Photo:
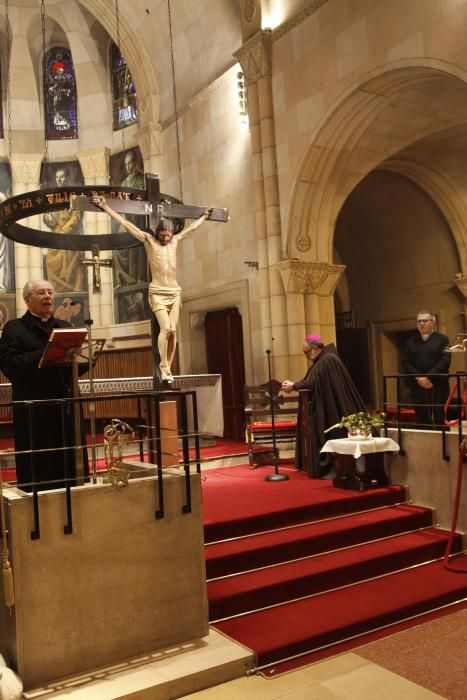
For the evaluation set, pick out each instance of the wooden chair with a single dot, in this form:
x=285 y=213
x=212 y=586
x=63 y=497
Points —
x=258 y=421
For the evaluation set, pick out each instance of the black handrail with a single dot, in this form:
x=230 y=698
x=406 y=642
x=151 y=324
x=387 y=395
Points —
x=151 y=400
x=459 y=377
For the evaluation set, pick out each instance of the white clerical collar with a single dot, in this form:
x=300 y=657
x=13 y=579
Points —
x=43 y=320
x=425 y=336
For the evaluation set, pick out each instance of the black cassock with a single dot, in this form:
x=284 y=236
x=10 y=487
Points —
x=39 y=426
x=331 y=395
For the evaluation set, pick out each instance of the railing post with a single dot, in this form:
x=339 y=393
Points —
x=157 y=424
x=385 y=405
x=399 y=429
x=36 y=532
x=194 y=405
x=68 y=527
x=186 y=452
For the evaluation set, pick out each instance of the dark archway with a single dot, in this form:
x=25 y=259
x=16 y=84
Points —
x=400 y=257
x=224 y=352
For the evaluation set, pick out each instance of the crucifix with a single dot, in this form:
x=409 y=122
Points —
x=164 y=219
x=154 y=207
x=96 y=263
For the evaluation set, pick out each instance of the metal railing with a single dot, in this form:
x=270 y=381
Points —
x=402 y=413
x=149 y=439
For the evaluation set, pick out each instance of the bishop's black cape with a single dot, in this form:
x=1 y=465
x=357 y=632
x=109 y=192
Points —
x=39 y=426
x=331 y=395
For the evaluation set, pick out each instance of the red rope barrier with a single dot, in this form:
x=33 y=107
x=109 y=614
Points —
x=451 y=423
x=455 y=512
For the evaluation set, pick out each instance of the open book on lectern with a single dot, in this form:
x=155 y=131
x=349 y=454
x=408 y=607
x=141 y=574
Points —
x=63 y=345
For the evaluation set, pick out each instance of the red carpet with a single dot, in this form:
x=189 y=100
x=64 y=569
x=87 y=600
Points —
x=294 y=628
x=265 y=549
x=305 y=565
x=220 y=448
x=348 y=645
x=237 y=501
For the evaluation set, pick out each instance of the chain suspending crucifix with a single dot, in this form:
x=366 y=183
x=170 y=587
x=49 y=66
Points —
x=160 y=237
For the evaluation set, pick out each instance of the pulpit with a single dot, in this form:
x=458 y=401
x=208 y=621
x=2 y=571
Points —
x=107 y=571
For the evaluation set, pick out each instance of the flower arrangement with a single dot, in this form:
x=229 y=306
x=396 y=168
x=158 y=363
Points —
x=363 y=422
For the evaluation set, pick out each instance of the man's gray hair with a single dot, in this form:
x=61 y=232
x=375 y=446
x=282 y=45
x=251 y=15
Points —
x=27 y=289
x=426 y=313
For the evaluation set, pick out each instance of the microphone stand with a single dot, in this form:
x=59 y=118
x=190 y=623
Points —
x=92 y=406
x=276 y=476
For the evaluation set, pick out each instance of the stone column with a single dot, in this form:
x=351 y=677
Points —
x=255 y=58
x=25 y=175
x=95 y=166
x=309 y=288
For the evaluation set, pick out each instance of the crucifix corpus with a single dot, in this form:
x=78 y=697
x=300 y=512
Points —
x=96 y=263
x=160 y=238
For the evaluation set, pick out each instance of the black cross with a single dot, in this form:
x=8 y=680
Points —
x=153 y=207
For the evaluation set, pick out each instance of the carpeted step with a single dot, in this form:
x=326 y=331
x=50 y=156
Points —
x=285 y=582
x=254 y=505
x=299 y=627
x=225 y=558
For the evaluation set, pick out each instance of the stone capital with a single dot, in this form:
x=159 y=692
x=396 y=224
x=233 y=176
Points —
x=461 y=284
x=26 y=168
x=255 y=56
x=94 y=162
x=149 y=140
x=309 y=277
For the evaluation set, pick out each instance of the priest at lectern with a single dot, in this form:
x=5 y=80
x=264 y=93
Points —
x=44 y=427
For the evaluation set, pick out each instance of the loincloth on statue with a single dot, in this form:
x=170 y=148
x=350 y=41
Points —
x=164 y=298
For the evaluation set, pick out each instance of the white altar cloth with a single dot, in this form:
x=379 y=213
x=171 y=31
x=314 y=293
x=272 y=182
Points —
x=208 y=388
x=346 y=446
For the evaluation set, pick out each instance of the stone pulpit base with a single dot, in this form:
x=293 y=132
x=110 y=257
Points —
x=123 y=583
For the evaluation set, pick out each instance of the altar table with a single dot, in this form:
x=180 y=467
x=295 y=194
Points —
x=360 y=463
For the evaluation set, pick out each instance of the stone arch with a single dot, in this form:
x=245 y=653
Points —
x=372 y=125
x=86 y=32
x=137 y=58
x=86 y=62
x=444 y=193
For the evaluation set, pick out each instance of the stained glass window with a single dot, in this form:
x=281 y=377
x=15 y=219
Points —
x=61 y=121
x=123 y=91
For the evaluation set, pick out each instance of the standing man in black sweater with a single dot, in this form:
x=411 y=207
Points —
x=426 y=355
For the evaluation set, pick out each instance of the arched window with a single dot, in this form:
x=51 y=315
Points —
x=123 y=91
x=61 y=121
